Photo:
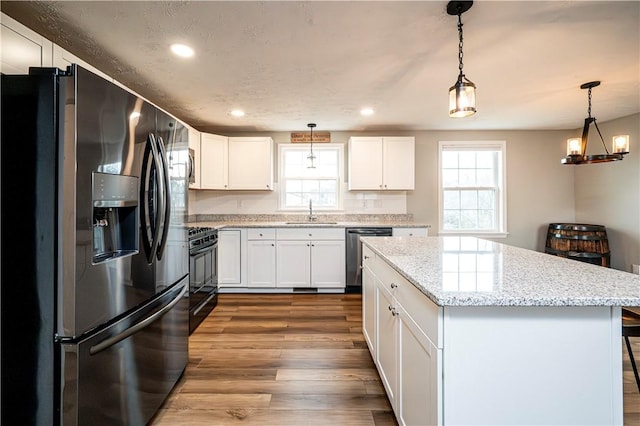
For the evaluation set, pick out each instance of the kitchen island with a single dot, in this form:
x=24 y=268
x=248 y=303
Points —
x=468 y=331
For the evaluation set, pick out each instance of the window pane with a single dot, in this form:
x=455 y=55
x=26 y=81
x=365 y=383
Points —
x=485 y=159
x=469 y=219
x=467 y=159
x=486 y=219
x=451 y=219
x=485 y=177
x=300 y=183
x=469 y=199
x=451 y=200
x=467 y=177
x=449 y=160
x=450 y=177
x=485 y=199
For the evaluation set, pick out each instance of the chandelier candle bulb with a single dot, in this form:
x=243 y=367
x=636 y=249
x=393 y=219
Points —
x=621 y=144
x=574 y=146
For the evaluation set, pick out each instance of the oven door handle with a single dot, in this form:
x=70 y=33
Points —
x=203 y=249
x=106 y=343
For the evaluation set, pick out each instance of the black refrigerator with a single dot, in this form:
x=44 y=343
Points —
x=94 y=288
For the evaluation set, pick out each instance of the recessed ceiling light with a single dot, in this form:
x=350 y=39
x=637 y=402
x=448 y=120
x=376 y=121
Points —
x=366 y=111
x=237 y=113
x=182 y=50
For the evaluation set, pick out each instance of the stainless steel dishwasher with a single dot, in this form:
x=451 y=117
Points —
x=354 y=254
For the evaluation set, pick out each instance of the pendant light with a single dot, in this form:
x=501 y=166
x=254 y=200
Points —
x=311 y=157
x=462 y=95
x=577 y=147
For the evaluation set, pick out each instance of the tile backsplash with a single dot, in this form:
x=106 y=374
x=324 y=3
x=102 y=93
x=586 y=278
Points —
x=203 y=202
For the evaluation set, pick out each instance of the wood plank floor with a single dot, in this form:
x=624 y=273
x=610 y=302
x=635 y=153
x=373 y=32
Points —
x=294 y=360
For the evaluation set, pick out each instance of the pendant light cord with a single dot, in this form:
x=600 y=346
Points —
x=460 y=54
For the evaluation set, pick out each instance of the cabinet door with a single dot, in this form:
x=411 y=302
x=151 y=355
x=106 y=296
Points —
x=22 y=48
x=293 y=266
x=387 y=343
x=418 y=387
x=369 y=305
x=365 y=163
x=261 y=263
x=229 y=243
x=328 y=264
x=194 y=146
x=251 y=163
x=398 y=155
x=213 y=161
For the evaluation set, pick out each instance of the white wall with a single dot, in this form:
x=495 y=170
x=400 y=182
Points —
x=609 y=193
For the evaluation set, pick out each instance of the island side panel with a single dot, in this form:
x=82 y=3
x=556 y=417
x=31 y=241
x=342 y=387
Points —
x=532 y=365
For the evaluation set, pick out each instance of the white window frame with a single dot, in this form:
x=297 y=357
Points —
x=282 y=148
x=501 y=186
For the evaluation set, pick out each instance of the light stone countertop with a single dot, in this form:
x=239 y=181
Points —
x=303 y=224
x=467 y=271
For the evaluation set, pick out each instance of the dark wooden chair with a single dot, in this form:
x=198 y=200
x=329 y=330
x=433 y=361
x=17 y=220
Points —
x=631 y=328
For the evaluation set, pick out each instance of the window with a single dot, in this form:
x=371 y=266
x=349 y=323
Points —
x=472 y=188
x=299 y=184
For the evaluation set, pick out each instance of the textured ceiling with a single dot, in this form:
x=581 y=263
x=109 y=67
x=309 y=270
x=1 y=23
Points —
x=290 y=63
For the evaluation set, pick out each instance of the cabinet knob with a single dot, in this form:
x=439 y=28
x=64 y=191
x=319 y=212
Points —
x=366 y=257
x=225 y=186
x=310 y=235
x=272 y=245
x=267 y=186
x=410 y=234
x=261 y=235
x=385 y=186
x=313 y=245
x=308 y=245
x=380 y=185
x=393 y=285
x=393 y=311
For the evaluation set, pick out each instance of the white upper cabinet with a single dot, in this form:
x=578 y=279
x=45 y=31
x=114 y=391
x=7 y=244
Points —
x=21 y=48
x=382 y=163
x=251 y=163
x=214 y=151
x=237 y=163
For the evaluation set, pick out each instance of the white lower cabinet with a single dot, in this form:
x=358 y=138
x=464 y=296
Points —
x=229 y=257
x=310 y=257
x=408 y=361
x=369 y=308
x=387 y=349
x=294 y=264
x=419 y=362
x=261 y=258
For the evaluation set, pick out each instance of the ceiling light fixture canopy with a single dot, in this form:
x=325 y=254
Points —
x=311 y=157
x=577 y=147
x=462 y=95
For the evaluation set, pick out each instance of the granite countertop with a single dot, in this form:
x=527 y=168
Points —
x=304 y=224
x=467 y=271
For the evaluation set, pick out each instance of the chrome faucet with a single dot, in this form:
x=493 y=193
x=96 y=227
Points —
x=311 y=216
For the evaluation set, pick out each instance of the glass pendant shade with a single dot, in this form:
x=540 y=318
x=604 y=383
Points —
x=574 y=146
x=621 y=144
x=462 y=99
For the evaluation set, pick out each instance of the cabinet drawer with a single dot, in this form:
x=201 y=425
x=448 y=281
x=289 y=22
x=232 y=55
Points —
x=423 y=311
x=261 y=234
x=311 y=233
x=410 y=232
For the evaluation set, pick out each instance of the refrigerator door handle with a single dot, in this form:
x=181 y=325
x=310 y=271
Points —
x=150 y=230
x=162 y=154
x=106 y=343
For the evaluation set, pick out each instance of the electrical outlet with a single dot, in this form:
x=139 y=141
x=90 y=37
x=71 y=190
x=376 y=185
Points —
x=635 y=269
